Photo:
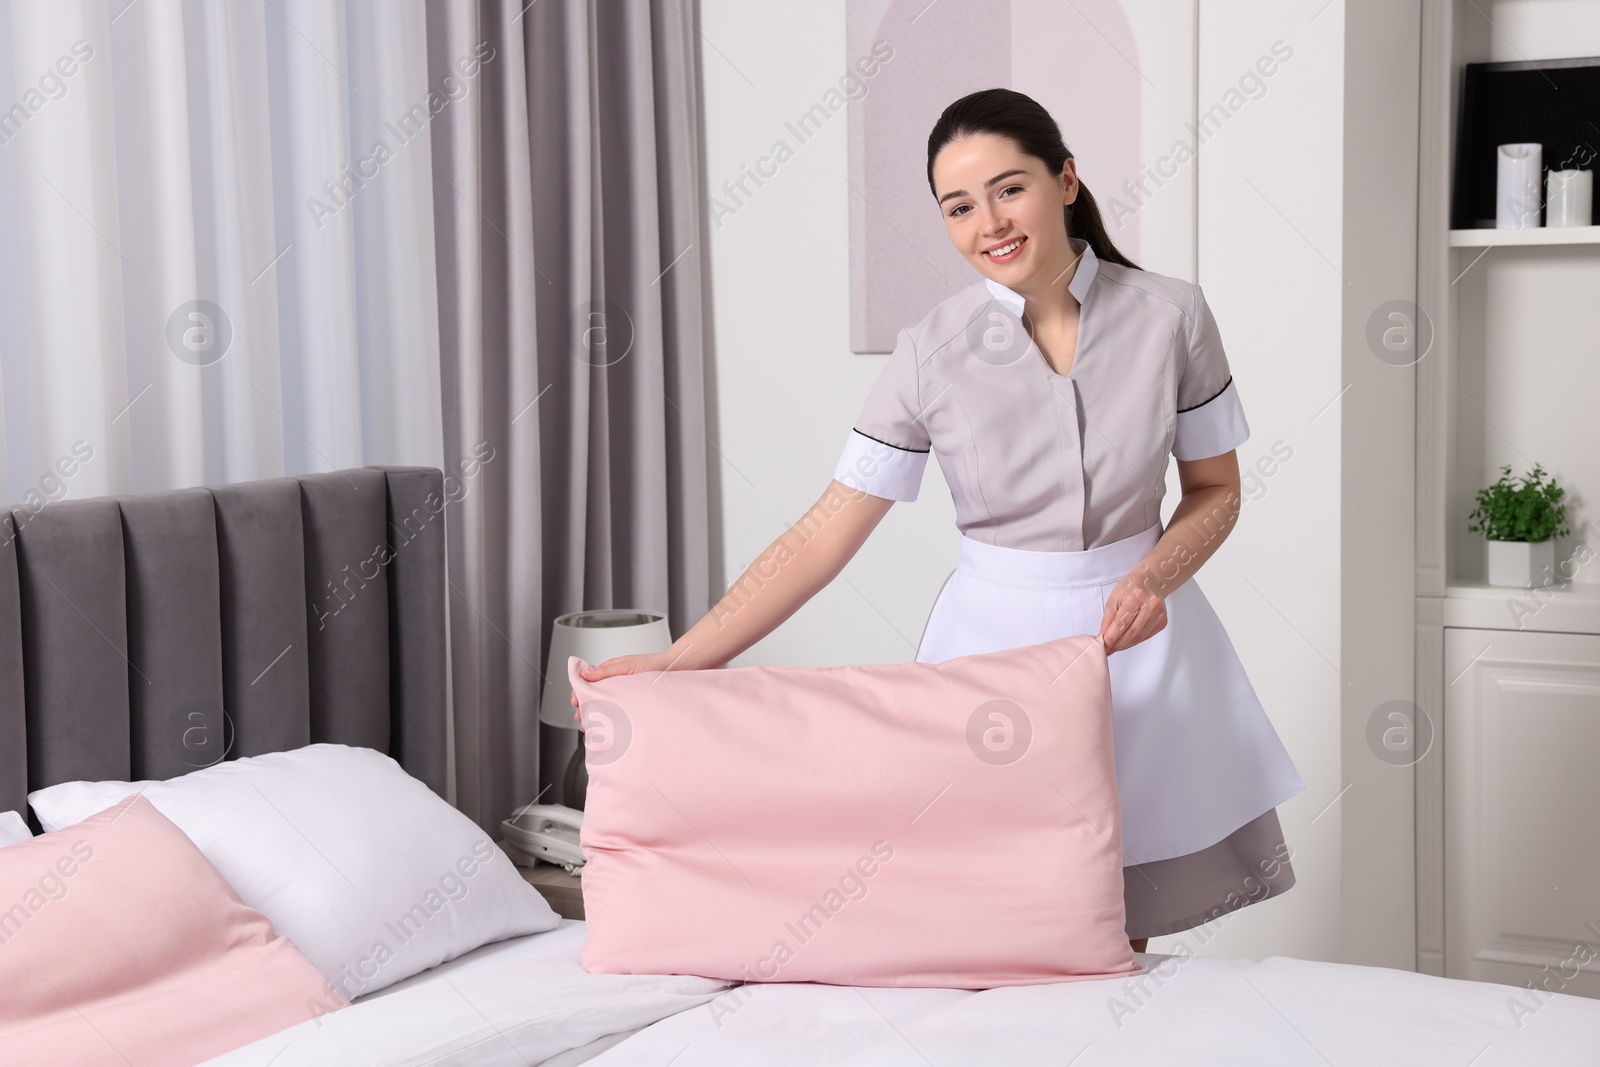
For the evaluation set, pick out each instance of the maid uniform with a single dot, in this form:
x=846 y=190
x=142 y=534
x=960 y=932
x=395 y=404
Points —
x=1058 y=480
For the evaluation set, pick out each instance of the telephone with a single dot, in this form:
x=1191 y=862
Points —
x=548 y=833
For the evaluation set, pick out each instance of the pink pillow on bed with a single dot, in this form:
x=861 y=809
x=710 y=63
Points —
x=915 y=824
x=121 y=943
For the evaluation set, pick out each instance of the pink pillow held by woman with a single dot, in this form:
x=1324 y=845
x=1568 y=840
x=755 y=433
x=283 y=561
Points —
x=952 y=824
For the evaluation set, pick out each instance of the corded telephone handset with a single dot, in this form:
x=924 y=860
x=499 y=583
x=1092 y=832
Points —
x=547 y=832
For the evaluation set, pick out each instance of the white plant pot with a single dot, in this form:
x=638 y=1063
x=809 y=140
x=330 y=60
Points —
x=1521 y=563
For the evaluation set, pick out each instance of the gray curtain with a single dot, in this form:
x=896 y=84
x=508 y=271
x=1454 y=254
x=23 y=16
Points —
x=568 y=234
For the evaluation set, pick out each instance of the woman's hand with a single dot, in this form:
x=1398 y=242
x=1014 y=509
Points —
x=1133 y=613
x=650 y=661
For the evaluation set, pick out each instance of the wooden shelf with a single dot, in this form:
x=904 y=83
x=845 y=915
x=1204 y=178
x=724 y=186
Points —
x=1567 y=608
x=1536 y=235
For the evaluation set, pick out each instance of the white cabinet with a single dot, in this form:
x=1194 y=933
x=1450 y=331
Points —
x=1522 y=810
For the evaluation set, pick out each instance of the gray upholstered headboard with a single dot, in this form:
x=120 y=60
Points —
x=140 y=635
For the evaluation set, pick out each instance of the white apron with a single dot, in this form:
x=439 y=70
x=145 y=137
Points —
x=1196 y=755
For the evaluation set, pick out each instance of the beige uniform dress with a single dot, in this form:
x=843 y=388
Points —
x=1058 y=481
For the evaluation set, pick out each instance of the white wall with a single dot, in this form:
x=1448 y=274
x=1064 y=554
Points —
x=786 y=386
x=1273 y=238
x=1270 y=219
x=1383 y=43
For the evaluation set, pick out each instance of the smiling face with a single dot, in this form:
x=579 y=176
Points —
x=996 y=198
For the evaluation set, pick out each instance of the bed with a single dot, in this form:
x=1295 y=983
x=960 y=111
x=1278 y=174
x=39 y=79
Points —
x=128 y=624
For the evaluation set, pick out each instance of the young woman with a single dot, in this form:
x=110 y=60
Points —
x=1052 y=391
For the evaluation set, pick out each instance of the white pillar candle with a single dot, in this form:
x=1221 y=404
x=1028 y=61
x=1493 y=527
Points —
x=1517 y=186
x=1570 y=199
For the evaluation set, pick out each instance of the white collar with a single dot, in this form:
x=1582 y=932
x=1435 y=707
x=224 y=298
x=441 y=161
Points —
x=1082 y=278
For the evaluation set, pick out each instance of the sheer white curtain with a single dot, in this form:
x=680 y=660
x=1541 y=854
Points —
x=216 y=242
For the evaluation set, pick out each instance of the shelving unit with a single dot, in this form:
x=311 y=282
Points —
x=1537 y=235
x=1509 y=678
x=1564 y=608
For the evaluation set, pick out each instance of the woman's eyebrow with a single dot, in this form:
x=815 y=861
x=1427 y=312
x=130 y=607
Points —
x=987 y=185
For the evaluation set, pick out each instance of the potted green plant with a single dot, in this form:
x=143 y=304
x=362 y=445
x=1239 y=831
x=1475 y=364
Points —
x=1521 y=523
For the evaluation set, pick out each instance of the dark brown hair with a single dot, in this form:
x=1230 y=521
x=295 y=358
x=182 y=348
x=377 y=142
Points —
x=1019 y=117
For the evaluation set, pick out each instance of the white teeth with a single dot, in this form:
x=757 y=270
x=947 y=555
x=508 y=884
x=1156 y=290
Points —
x=1004 y=249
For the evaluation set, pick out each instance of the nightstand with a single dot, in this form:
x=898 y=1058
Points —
x=564 y=891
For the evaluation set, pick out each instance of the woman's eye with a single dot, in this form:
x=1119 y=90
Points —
x=956 y=212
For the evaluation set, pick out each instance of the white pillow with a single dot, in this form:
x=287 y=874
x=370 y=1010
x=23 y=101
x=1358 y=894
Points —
x=364 y=868
x=13 y=828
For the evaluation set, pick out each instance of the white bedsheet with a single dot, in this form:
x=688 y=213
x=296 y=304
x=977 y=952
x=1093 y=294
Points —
x=1192 y=1011
x=517 y=1002
x=528 y=1000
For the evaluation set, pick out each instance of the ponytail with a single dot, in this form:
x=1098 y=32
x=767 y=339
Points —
x=1083 y=220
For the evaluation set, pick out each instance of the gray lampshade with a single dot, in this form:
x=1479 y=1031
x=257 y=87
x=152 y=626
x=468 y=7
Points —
x=596 y=636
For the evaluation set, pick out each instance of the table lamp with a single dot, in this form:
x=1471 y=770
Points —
x=594 y=636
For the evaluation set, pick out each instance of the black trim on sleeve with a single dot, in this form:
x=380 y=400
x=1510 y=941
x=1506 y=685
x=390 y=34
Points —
x=902 y=448
x=1191 y=407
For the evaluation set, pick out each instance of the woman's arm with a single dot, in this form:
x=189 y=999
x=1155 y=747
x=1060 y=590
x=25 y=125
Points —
x=788 y=573
x=1204 y=516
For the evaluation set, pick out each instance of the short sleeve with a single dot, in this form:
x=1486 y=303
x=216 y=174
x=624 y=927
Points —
x=887 y=449
x=1210 y=418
